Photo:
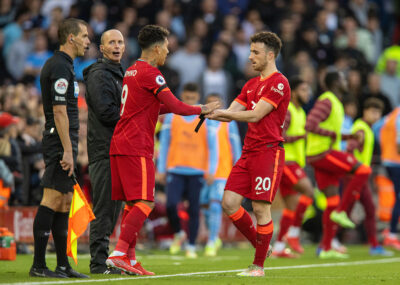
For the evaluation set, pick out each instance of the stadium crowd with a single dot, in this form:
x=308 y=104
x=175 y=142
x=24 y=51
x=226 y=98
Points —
x=208 y=45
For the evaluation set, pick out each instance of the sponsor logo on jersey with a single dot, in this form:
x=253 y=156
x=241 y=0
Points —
x=278 y=90
x=61 y=86
x=130 y=73
x=160 y=80
x=249 y=91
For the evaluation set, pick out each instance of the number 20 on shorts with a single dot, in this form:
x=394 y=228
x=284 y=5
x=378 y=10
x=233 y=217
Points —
x=263 y=183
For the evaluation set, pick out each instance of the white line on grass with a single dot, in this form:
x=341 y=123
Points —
x=371 y=261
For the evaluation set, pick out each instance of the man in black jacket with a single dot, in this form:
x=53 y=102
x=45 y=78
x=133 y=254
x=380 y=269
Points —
x=103 y=95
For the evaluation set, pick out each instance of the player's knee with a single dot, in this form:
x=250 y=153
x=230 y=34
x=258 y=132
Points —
x=261 y=210
x=53 y=202
x=229 y=207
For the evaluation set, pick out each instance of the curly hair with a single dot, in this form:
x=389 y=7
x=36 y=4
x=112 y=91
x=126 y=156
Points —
x=270 y=39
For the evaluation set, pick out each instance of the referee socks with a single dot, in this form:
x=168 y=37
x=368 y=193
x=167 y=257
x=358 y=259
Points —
x=41 y=232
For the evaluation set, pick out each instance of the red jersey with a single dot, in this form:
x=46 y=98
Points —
x=134 y=132
x=275 y=90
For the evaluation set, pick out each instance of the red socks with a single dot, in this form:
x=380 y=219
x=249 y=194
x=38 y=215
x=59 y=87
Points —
x=243 y=222
x=328 y=226
x=286 y=221
x=353 y=189
x=131 y=225
x=302 y=206
x=264 y=235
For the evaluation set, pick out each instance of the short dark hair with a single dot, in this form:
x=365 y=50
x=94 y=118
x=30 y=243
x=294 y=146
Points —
x=295 y=81
x=151 y=34
x=331 y=78
x=191 y=87
x=69 y=26
x=270 y=39
x=373 y=103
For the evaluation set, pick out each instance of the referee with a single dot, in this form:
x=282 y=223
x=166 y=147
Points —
x=103 y=96
x=60 y=147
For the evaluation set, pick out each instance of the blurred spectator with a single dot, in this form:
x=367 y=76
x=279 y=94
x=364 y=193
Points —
x=356 y=37
x=55 y=17
x=229 y=7
x=98 y=19
x=241 y=49
x=289 y=43
x=7 y=12
x=252 y=23
x=189 y=54
x=10 y=152
x=13 y=31
x=354 y=83
x=211 y=15
x=216 y=80
x=325 y=35
x=199 y=29
x=360 y=9
x=171 y=19
x=29 y=141
x=80 y=63
x=377 y=36
x=318 y=47
x=171 y=76
x=36 y=59
x=390 y=82
x=390 y=53
x=4 y=73
x=49 y=5
x=373 y=90
x=332 y=19
x=19 y=52
x=34 y=12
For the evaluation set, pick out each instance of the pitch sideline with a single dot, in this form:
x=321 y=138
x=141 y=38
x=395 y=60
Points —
x=75 y=281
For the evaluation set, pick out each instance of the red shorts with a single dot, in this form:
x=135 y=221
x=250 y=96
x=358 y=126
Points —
x=332 y=167
x=292 y=174
x=132 y=178
x=257 y=176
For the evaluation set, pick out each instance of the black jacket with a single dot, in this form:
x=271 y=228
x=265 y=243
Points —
x=103 y=96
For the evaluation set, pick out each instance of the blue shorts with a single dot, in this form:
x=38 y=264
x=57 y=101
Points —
x=213 y=192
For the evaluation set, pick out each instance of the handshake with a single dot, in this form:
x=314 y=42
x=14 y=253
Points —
x=212 y=111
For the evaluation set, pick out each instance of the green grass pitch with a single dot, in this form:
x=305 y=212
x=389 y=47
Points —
x=360 y=268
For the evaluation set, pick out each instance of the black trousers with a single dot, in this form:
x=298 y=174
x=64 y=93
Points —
x=106 y=212
x=178 y=188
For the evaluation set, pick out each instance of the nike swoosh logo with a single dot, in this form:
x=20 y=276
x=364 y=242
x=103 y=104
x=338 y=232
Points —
x=248 y=91
x=258 y=193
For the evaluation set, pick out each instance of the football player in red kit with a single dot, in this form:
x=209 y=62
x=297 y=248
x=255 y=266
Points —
x=262 y=103
x=145 y=95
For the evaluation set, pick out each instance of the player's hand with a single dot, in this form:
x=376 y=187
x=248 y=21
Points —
x=216 y=114
x=208 y=108
x=161 y=178
x=67 y=162
x=209 y=179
